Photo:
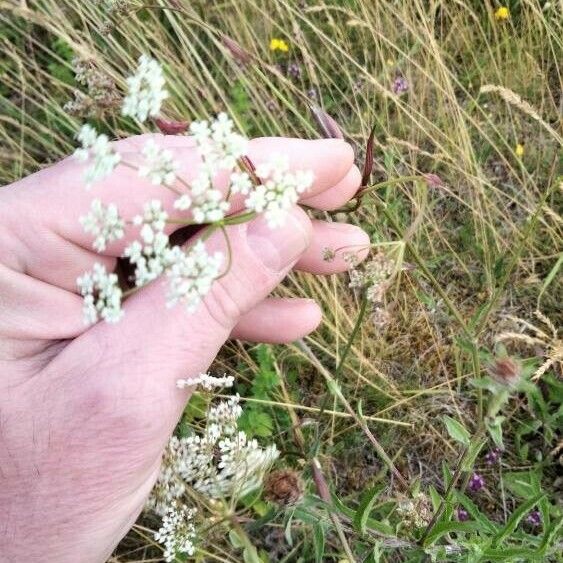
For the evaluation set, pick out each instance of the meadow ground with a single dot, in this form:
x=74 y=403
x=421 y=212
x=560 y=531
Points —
x=465 y=103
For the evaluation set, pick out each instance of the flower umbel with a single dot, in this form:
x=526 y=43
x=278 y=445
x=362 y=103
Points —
x=177 y=532
x=97 y=149
x=279 y=191
x=219 y=462
x=191 y=273
x=102 y=295
x=159 y=166
x=104 y=222
x=146 y=90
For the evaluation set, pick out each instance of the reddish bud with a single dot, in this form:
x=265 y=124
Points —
x=329 y=128
x=505 y=371
x=368 y=164
x=170 y=127
x=238 y=53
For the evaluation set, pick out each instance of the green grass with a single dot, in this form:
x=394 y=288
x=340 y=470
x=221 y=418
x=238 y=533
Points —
x=482 y=251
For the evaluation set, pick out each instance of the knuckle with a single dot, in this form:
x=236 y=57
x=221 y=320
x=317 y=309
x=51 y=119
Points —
x=222 y=305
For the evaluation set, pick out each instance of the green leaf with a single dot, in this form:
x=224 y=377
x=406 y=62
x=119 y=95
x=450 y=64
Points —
x=364 y=510
x=256 y=422
x=475 y=513
x=456 y=430
x=550 y=535
x=515 y=518
x=319 y=542
x=250 y=555
x=443 y=528
x=495 y=430
x=472 y=454
x=523 y=484
x=512 y=554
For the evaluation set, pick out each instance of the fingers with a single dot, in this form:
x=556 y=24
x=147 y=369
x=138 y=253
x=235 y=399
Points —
x=339 y=194
x=36 y=312
x=329 y=160
x=277 y=321
x=160 y=345
x=329 y=244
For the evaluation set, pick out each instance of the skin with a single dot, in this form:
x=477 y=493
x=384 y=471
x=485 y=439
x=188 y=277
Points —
x=85 y=412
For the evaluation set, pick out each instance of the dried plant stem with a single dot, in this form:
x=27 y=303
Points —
x=318 y=477
x=333 y=386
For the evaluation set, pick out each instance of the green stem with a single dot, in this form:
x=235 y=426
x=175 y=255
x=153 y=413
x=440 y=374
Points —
x=353 y=334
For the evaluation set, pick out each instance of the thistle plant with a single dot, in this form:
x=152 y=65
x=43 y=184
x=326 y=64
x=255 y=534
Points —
x=269 y=189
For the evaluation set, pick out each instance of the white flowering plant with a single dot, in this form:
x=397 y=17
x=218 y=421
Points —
x=270 y=189
x=220 y=463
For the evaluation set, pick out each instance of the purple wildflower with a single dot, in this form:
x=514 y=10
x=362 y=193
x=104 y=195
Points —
x=294 y=70
x=493 y=456
x=400 y=85
x=534 y=518
x=462 y=514
x=476 y=483
x=312 y=93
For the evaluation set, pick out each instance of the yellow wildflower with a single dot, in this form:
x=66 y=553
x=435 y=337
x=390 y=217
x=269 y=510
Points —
x=279 y=45
x=519 y=150
x=503 y=13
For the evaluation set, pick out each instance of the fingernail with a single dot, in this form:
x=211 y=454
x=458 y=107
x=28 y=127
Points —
x=280 y=247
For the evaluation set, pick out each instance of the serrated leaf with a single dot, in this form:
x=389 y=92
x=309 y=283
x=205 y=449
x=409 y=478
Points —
x=514 y=520
x=366 y=504
x=475 y=513
x=443 y=528
x=456 y=430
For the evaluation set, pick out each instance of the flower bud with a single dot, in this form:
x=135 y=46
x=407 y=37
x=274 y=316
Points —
x=284 y=487
x=505 y=371
x=171 y=127
x=329 y=128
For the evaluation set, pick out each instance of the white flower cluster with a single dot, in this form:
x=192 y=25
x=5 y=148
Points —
x=279 y=191
x=159 y=166
x=96 y=148
x=177 y=532
x=218 y=144
x=272 y=190
x=207 y=381
x=192 y=273
x=146 y=90
x=104 y=222
x=220 y=462
x=153 y=254
x=102 y=295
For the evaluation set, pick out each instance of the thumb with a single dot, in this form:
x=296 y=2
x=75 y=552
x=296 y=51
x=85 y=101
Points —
x=159 y=345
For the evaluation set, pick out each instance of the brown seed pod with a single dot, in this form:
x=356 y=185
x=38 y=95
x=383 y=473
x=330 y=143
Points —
x=283 y=487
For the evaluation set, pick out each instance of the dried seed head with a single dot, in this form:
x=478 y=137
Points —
x=505 y=371
x=433 y=180
x=415 y=512
x=328 y=254
x=238 y=53
x=329 y=128
x=284 y=487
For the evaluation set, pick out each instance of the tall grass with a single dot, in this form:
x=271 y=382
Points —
x=482 y=245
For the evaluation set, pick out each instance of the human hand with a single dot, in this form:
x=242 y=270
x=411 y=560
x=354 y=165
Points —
x=85 y=412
